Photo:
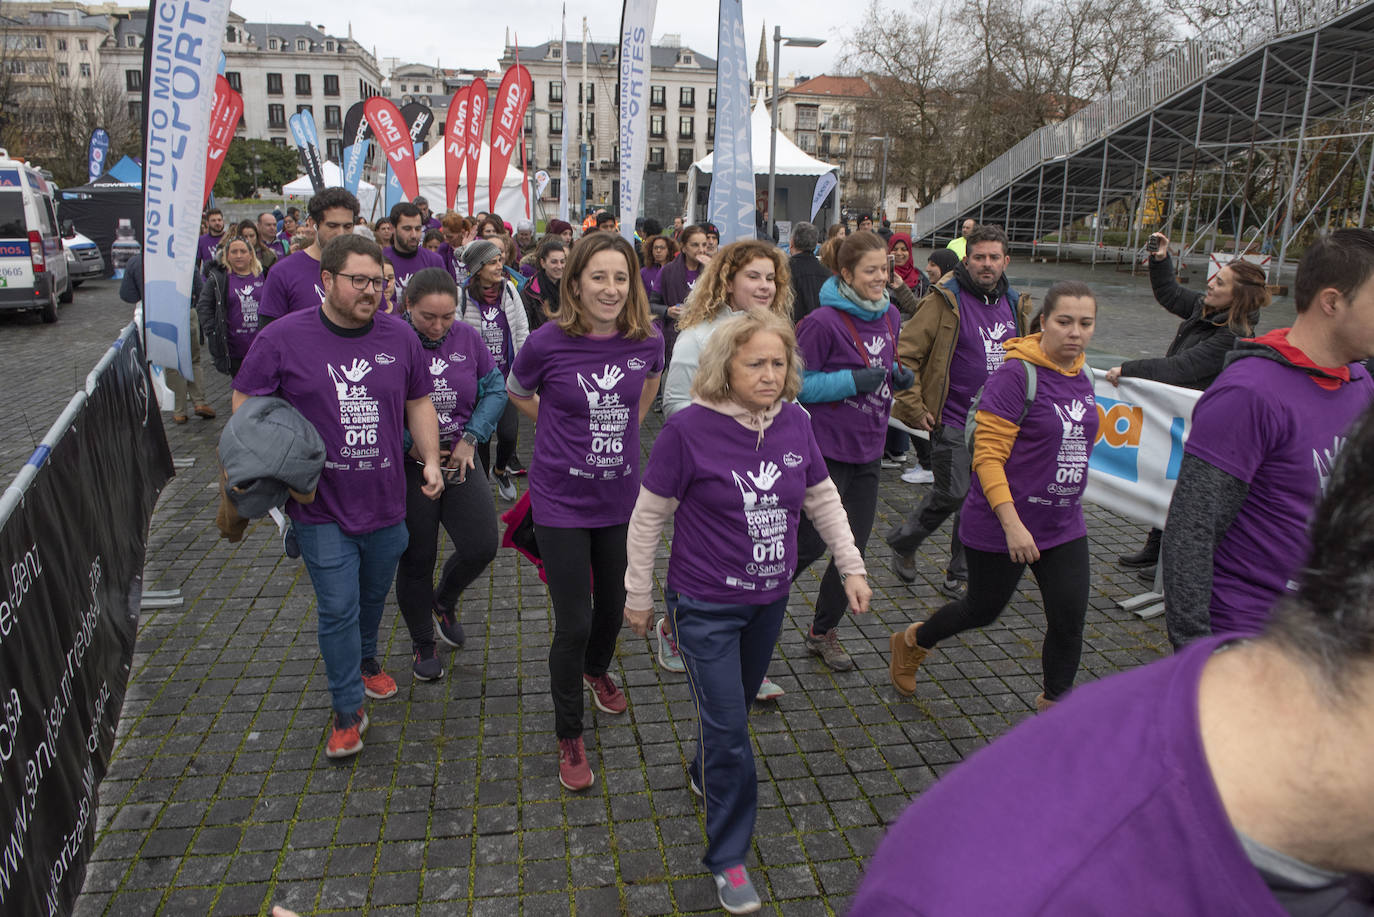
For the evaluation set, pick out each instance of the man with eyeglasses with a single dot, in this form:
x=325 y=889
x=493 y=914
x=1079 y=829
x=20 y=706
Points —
x=361 y=381
x=294 y=282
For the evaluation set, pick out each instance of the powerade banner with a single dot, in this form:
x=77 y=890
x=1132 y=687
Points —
x=477 y=119
x=455 y=145
x=390 y=130
x=308 y=142
x=636 y=24
x=824 y=185
x=224 y=118
x=181 y=50
x=95 y=153
x=357 y=137
x=71 y=567
x=507 y=118
x=567 y=120
x=1142 y=426
x=732 y=201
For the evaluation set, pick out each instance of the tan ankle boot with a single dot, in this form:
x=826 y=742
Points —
x=901 y=668
x=1042 y=703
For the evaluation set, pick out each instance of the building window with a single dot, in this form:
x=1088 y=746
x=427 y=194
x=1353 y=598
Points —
x=529 y=122
x=333 y=117
x=302 y=84
x=685 y=57
x=61 y=44
x=807 y=142
x=279 y=141
x=655 y=157
x=807 y=117
x=903 y=214
x=302 y=45
x=273 y=44
x=710 y=98
x=133 y=80
x=555 y=122
x=686 y=128
x=429 y=88
x=656 y=126
x=85 y=69
x=590 y=120
x=333 y=149
x=555 y=90
x=130 y=41
x=555 y=155
x=15 y=66
x=555 y=53
x=83 y=44
x=62 y=70
x=901 y=195
x=276 y=115
x=658 y=96
x=306 y=108
x=136 y=111
x=591 y=93
x=274 y=84
x=555 y=185
x=235 y=80
x=687 y=97
x=684 y=158
x=329 y=46
x=331 y=84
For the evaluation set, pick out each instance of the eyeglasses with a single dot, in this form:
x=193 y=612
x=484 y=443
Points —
x=361 y=282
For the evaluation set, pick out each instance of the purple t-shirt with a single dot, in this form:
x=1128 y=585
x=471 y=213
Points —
x=495 y=328
x=244 y=298
x=1048 y=466
x=205 y=249
x=651 y=274
x=1104 y=805
x=293 y=285
x=852 y=430
x=457 y=365
x=585 y=471
x=983 y=329
x=407 y=265
x=735 y=530
x=454 y=264
x=1271 y=426
x=353 y=390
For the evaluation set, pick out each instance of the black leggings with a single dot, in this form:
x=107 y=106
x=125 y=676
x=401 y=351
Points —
x=858 y=487
x=587 y=611
x=1062 y=574
x=506 y=435
x=466 y=512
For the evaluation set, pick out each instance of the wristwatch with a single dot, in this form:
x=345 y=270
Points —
x=470 y=438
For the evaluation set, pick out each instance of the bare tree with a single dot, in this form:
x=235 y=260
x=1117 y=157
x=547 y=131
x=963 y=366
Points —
x=57 y=116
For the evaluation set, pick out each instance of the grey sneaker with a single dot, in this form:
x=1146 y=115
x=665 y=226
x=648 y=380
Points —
x=904 y=565
x=505 y=486
x=827 y=646
x=427 y=666
x=736 y=893
x=955 y=588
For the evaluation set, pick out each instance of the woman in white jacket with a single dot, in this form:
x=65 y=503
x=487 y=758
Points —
x=491 y=304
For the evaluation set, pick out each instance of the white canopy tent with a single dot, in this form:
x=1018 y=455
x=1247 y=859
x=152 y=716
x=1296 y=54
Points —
x=302 y=190
x=510 y=202
x=796 y=175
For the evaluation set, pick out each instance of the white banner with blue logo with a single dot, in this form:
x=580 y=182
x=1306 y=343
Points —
x=824 y=185
x=183 y=43
x=1142 y=426
x=732 y=200
x=636 y=28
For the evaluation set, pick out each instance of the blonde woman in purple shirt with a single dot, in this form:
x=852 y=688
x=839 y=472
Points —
x=734 y=470
x=587 y=378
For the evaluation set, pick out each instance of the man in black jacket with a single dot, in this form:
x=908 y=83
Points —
x=808 y=274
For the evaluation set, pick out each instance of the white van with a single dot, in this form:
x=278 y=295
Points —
x=33 y=266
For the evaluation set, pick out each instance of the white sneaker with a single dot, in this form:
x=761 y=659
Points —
x=918 y=475
x=769 y=691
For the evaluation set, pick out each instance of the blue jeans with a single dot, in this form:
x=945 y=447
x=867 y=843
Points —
x=726 y=649
x=352 y=575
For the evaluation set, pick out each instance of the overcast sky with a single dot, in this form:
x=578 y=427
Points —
x=469 y=34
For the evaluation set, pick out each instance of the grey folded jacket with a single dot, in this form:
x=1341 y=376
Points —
x=269 y=452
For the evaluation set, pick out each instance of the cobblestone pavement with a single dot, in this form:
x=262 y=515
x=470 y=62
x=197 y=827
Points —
x=220 y=801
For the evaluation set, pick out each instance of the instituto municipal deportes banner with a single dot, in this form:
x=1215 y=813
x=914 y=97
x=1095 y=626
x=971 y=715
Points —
x=636 y=27
x=1142 y=427
x=71 y=581
x=732 y=200
x=181 y=50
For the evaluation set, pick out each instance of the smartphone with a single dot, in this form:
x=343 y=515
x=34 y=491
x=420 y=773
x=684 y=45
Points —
x=1152 y=246
x=891 y=261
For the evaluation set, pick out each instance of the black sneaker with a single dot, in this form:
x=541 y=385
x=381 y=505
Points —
x=450 y=629
x=289 y=544
x=955 y=588
x=516 y=467
x=428 y=666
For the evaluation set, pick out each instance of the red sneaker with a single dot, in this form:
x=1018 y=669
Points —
x=377 y=683
x=573 y=770
x=346 y=736
x=606 y=694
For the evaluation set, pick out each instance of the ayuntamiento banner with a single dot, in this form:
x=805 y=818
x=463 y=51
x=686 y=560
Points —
x=71 y=568
x=636 y=27
x=1142 y=426
x=732 y=197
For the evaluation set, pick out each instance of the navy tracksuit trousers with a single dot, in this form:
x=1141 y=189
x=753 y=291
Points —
x=726 y=649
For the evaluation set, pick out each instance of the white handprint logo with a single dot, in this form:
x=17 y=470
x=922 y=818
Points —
x=874 y=346
x=1077 y=409
x=767 y=476
x=358 y=370
x=437 y=367
x=490 y=314
x=998 y=330
x=610 y=377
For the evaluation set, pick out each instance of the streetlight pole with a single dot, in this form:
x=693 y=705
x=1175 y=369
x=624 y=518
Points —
x=795 y=42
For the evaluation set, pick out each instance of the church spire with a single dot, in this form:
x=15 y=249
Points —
x=761 y=68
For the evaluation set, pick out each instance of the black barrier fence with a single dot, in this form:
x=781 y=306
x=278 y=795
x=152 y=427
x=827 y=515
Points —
x=73 y=532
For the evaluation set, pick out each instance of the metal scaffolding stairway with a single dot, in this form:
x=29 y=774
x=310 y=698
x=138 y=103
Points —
x=1200 y=107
